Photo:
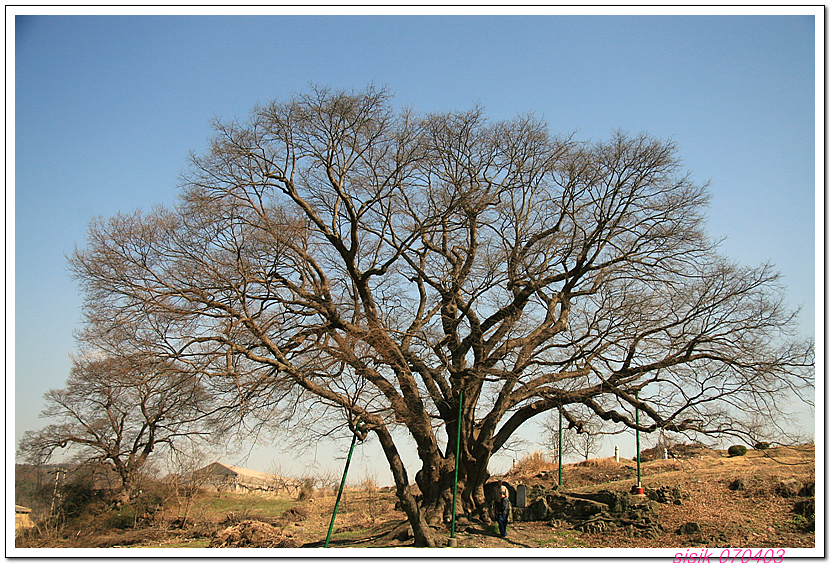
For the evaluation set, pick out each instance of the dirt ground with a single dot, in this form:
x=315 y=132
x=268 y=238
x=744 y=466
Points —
x=757 y=513
x=756 y=516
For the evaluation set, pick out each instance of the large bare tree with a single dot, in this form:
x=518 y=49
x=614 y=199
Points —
x=332 y=254
x=119 y=410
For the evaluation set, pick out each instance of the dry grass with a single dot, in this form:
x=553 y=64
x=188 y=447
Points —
x=599 y=463
x=589 y=472
x=753 y=516
x=531 y=464
x=369 y=483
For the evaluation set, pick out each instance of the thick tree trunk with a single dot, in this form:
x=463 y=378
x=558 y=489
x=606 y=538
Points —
x=420 y=529
x=435 y=481
x=437 y=490
x=129 y=484
x=129 y=470
x=473 y=496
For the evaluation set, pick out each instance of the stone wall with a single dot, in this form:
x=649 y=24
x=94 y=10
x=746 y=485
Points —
x=591 y=512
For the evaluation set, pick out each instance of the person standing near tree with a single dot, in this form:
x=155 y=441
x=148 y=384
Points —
x=502 y=508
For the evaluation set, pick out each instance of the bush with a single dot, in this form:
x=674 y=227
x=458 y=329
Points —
x=762 y=446
x=804 y=523
x=306 y=490
x=122 y=517
x=736 y=450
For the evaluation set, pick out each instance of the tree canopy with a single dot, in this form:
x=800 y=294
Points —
x=119 y=410
x=330 y=255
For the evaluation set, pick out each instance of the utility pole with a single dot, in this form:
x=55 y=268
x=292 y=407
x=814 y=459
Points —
x=58 y=475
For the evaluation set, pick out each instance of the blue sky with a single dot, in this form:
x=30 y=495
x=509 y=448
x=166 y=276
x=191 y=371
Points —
x=107 y=109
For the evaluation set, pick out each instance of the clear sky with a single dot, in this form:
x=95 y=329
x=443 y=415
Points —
x=107 y=109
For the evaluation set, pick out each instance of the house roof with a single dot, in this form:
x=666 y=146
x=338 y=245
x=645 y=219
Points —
x=217 y=468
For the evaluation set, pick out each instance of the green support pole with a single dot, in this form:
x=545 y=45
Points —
x=637 y=420
x=457 y=453
x=560 y=447
x=342 y=484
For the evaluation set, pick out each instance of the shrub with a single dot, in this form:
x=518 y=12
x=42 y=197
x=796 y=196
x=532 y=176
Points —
x=122 y=517
x=804 y=523
x=306 y=490
x=762 y=446
x=295 y=514
x=736 y=450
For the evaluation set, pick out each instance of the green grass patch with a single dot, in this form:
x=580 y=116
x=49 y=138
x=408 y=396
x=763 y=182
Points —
x=194 y=544
x=563 y=538
x=348 y=535
x=245 y=505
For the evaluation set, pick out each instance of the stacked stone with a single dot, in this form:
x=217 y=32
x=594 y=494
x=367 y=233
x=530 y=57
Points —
x=593 y=512
x=667 y=495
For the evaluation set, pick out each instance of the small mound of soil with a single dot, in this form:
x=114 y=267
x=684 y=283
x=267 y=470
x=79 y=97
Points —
x=252 y=533
x=295 y=514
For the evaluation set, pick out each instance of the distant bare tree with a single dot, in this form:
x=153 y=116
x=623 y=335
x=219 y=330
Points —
x=589 y=441
x=550 y=437
x=279 y=482
x=664 y=441
x=119 y=410
x=184 y=479
x=580 y=438
x=331 y=259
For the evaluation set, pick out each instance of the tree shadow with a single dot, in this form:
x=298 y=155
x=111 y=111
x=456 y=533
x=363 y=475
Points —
x=520 y=544
x=489 y=533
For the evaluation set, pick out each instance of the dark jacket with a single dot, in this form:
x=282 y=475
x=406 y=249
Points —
x=502 y=505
